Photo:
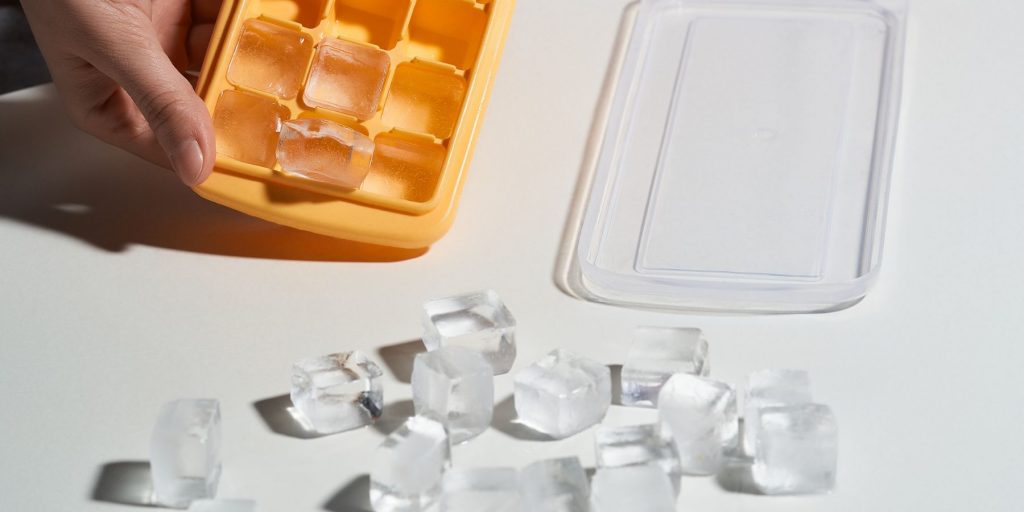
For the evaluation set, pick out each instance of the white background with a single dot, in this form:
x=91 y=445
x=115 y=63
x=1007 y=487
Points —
x=120 y=290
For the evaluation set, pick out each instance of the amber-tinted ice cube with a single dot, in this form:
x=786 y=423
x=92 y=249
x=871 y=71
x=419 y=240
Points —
x=322 y=150
x=347 y=77
x=404 y=166
x=270 y=58
x=247 y=126
x=424 y=99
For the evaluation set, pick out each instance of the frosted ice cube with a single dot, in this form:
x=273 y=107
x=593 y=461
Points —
x=247 y=126
x=637 y=445
x=347 y=77
x=700 y=415
x=658 y=353
x=222 y=506
x=562 y=394
x=270 y=58
x=454 y=386
x=338 y=392
x=184 y=452
x=322 y=150
x=480 y=489
x=479 y=321
x=406 y=470
x=555 y=485
x=767 y=388
x=797 y=448
x=632 y=489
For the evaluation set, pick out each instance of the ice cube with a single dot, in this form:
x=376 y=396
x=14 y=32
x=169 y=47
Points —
x=633 y=489
x=454 y=386
x=247 y=126
x=658 y=353
x=322 y=150
x=700 y=416
x=222 y=506
x=637 y=445
x=797 y=447
x=338 y=392
x=555 y=485
x=424 y=98
x=562 y=394
x=767 y=388
x=347 y=77
x=479 y=321
x=270 y=58
x=184 y=452
x=406 y=470
x=480 y=489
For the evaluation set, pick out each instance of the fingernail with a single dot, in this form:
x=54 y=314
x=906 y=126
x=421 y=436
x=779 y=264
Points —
x=187 y=162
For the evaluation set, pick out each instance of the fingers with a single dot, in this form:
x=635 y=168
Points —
x=176 y=115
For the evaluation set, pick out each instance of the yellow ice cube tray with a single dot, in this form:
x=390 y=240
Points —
x=412 y=75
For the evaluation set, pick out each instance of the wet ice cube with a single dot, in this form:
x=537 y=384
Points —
x=637 y=445
x=247 y=126
x=338 y=392
x=406 y=470
x=322 y=150
x=555 y=485
x=767 y=388
x=347 y=77
x=185 y=454
x=480 y=489
x=700 y=416
x=479 y=321
x=797 y=448
x=562 y=394
x=270 y=58
x=632 y=489
x=222 y=506
x=454 y=386
x=658 y=353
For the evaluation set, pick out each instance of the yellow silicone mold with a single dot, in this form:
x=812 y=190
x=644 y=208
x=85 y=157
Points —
x=412 y=75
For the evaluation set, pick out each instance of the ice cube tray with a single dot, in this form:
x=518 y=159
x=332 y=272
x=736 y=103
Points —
x=433 y=63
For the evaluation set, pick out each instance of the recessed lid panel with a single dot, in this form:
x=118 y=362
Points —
x=745 y=157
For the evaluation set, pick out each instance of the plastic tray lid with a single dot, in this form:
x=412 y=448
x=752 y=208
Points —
x=743 y=162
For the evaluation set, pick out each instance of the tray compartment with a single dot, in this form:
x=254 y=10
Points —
x=448 y=31
x=424 y=98
x=405 y=166
x=308 y=13
x=378 y=22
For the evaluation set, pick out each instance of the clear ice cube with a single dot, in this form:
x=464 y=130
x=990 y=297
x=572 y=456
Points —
x=797 y=448
x=222 y=506
x=562 y=394
x=406 y=470
x=338 y=392
x=480 y=489
x=185 y=456
x=479 y=321
x=767 y=388
x=700 y=416
x=347 y=77
x=454 y=386
x=270 y=58
x=632 y=489
x=322 y=150
x=247 y=125
x=637 y=445
x=656 y=354
x=555 y=485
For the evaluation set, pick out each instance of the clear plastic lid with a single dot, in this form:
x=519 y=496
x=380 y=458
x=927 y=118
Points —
x=744 y=158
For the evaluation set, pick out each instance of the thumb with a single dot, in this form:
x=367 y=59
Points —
x=177 y=116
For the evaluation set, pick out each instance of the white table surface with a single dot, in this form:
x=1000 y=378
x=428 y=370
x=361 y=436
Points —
x=120 y=290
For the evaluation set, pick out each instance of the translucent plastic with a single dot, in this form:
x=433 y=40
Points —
x=746 y=157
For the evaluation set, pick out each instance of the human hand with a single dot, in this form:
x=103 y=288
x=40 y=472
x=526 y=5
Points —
x=118 y=67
